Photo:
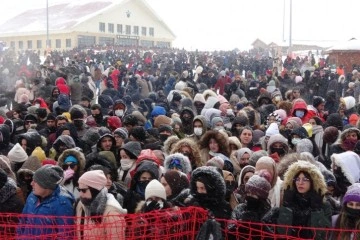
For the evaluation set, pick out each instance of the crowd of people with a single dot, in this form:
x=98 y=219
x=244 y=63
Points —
x=104 y=134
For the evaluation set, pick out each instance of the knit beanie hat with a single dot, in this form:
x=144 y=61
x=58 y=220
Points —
x=133 y=148
x=352 y=194
x=330 y=134
x=3 y=178
x=258 y=186
x=177 y=181
x=155 y=189
x=48 y=176
x=199 y=98
x=114 y=122
x=215 y=120
x=138 y=133
x=95 y=179
x=216 y=162
x=76 y=114
x=353 y=119
x=256 y=156
x=122 y=132
x=304 y=145
x=91 y=136
x=39 y=153
x=257 y=134
x=162 y=119
x=272 y=130
x=17 y=154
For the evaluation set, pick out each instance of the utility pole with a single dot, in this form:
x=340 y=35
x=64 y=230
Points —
x=47 y=24
x=290 y=31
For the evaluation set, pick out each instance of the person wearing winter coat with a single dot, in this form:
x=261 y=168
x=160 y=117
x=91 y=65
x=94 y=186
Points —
x=73 y=163
x=10 y=202
x=25 y=175
x=129 y=152
x=104 y=216
x=178 y=162
x=346 y=142
x=199 y=125
x=52 y=200
x=145 y=172
x=303 y=203
x=349 y=217
x=5 y=144
x=207 y=190
x=190 y=149
x=256 y=205
x=176 y=184
x=212 y=143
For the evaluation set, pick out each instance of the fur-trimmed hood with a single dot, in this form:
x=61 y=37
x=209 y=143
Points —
x=212 y=179
x=169 y=142
x=29 y=167
x=349 y=162
x=317 y=178
x=183 y=160
x=77 y=154
x=195 y=158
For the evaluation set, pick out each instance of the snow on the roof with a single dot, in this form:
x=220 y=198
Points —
x=351 y=45
x=61 y=16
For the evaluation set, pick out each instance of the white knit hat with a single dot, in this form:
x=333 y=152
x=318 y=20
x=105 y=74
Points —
x=155 y=189
x=17 y=154
x=272 y=130
x=95 y=179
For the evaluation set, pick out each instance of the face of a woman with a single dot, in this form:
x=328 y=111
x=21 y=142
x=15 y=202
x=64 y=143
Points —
x=351 y=136
x=353 y=205
x=246 y=136
x=247 y=176
x=302 y=183
x=213 y=145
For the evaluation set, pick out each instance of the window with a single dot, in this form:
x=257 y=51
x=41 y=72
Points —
x=12 y=44
x=151 y=31
x=58 y=43
x=29 y=44
x=147 y=43
x=101 y=27
x=68 y=43
x=128 y=29
x=38 y=44
x=163 y=44
x=119 y=28
x=136 y=30
x=111 y=27
x=106 y=41
x=143 y=31
x=21 y=45
x=86 y=41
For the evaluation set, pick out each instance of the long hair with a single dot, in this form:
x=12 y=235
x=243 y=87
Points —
x=219 y=138
x=343 y=222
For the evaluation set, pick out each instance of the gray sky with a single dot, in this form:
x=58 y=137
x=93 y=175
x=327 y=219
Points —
x=229 y=24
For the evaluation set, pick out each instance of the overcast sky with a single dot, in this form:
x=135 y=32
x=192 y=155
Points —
x=229 y=24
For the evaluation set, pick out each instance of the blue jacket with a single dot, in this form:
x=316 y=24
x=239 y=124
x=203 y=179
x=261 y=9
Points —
x=59 y=203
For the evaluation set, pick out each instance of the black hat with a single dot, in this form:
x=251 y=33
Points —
x=48 y=176
x=76 y=114
x=41 y=112
x=51 y=116
x=317 y=100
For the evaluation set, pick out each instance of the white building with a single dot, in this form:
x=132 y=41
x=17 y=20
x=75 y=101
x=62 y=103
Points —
x=82 y=24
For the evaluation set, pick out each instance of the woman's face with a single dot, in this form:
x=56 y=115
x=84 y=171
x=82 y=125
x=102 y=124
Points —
x=303 y=184
x=353 y=205
x=351 y=136
x=246 y=136
x=166 y=186
x=213 y=145
x=123 y=154
x=246 y=177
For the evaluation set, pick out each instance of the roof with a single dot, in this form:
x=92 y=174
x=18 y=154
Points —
x=351 y=45
x=65 y=16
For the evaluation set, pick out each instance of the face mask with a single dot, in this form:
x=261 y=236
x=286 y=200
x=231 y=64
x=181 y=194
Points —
x=295 y=141
x=229 y=112
x=119 y=113
x=86 y=201
x=126 y=163
x=279 y=151
x=299 y=113
x=140 y=187
x=349 y=144
x=218 y=128
x=252 y=203
x=98 y=117
x=198 y=131
x=78 y=123
x=351 y=212
x=37 y=105
x=55 y=95
x=163 y=137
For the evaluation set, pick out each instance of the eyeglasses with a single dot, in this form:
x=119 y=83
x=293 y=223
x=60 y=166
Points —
x=304 y=180
x=83 y=190
x=72 y=166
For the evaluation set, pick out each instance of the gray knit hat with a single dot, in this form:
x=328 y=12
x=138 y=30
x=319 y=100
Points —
x=48 y=176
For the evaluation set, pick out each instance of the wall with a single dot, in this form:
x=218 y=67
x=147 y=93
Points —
x=346 y=58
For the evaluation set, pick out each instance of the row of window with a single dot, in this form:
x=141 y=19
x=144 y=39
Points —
x=40 y=45
x=119 y=29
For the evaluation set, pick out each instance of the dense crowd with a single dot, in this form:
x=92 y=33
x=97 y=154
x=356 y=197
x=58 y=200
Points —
x=98 y=132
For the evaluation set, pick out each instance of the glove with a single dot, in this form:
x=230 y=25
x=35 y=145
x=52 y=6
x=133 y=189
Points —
x=288 y=198
x=69 y=173
x=316 y=200
x=153 y=205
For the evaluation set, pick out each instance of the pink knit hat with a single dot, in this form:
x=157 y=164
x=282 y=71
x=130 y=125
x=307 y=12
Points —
x=95 y=179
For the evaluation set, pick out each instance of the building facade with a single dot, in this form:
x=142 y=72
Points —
x=128 y=23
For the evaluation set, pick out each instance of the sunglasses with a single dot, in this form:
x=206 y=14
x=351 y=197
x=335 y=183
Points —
x=72 y=166
x=83 y=190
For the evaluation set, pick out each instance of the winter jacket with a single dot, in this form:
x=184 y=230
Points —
x=5 y=145
x=112 y=225
x=59 y=203
x=63 y=88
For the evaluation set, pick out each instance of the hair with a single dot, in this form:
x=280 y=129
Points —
x=219 y=138
x=317 y=120
x=239 y=132
x=343 y=222
x=195 y=153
